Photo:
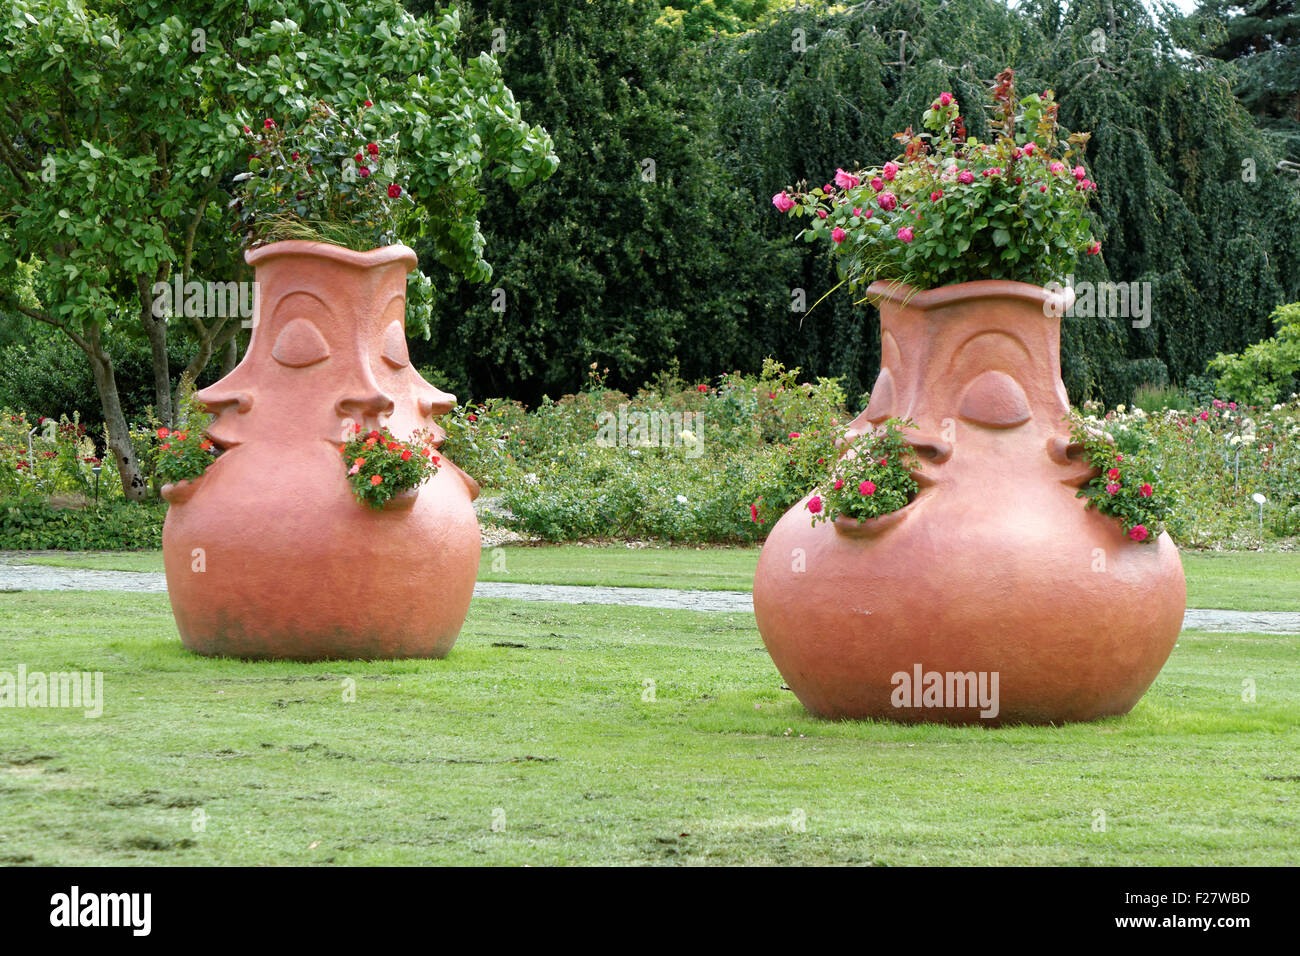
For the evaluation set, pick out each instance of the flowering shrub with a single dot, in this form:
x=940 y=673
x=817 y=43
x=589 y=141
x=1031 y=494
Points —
x=42 y=457
x=1212 y=459
x=873 y=478
x=1126 y=489
x=799 y=422
x=951 y=209
x=380 y=466
x=182 y=455
x=335 y=178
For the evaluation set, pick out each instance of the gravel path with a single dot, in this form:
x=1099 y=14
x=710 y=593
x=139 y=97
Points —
x=35 y=577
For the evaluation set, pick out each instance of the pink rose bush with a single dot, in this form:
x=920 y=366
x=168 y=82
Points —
x=1125 y=487
x=954 y=209
x=872 y=478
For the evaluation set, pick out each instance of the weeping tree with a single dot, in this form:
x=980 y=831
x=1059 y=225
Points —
x=123 y=126
x=1188 y=198
x=1261 y=38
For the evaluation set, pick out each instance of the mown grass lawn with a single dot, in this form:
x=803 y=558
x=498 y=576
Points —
x=539 y=720
x=1238 y=580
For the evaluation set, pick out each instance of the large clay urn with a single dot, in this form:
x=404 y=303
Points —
x=268 y=554
x=995 y=567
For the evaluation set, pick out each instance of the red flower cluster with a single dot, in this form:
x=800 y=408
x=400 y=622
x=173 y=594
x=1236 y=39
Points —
x=381 y=466
x=182 y=456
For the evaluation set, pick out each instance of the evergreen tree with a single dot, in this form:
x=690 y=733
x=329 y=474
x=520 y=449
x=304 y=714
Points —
x=1262 y=39
x=640 y=253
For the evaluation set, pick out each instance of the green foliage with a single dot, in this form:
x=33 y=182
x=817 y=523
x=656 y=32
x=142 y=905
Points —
x=123 y=128
x=1210 y=461
x=41 y=457
x=150 y=120
x=47 y=374
x=1261 y=38
x=641 y=249
x=770 y=440
x=703 y=19
x=1167 y=152
x=116 y=525
x=182 y=455
x=1152 y=398
x=742 y=453
x=1265 y=371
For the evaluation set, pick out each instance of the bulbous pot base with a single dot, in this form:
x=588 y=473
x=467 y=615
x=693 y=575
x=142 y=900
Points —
x=1056 y=633
x=320 y=576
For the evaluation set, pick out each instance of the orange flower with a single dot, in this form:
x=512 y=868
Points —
x=376 y=479
x=359 y=462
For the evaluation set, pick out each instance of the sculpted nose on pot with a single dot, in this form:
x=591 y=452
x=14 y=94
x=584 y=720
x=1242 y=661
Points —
x=930 y=449
x=1065 y=452
x=368 y=405
x=433 y=401
x=217 y=400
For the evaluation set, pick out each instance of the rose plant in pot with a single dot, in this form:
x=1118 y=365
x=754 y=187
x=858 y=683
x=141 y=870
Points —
x=1015 y=571
x=330 y=523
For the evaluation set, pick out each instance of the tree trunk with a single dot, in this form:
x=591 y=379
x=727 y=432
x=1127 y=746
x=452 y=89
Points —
x=134 y=486
x=219 y=337
x=155 y=327
x=230 y=357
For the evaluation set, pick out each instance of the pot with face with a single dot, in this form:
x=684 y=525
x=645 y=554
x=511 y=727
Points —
x=268 y=554
x=995 y=572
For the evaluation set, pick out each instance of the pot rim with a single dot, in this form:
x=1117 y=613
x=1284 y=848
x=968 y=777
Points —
x=903 y=295
x=381 y=256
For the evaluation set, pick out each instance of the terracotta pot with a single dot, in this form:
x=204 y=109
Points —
x=995 y=568
x=268 y=554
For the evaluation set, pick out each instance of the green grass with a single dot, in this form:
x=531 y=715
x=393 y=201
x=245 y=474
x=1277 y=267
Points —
x=1243 y=580
x=705 y=569
x=100 y=560
x=539 y=711
x=1239 y=581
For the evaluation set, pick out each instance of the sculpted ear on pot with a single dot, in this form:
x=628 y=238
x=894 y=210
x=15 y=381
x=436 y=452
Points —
x=179 y=492
x=470 y=484
x=432 y=401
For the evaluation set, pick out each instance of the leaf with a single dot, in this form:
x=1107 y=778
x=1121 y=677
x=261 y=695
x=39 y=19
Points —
x=1001 y=237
